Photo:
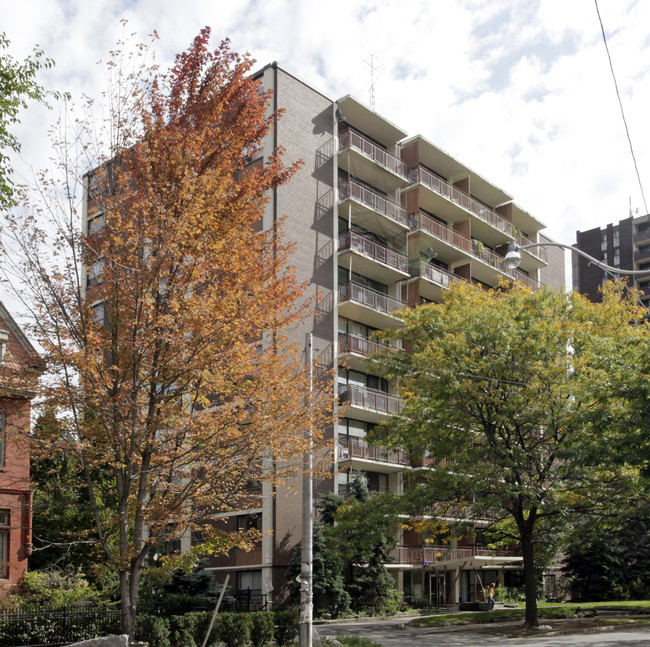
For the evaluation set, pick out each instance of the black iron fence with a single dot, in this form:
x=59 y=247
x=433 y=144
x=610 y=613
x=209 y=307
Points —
x=56 y=627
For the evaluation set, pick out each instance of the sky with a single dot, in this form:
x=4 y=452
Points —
x=518 y=90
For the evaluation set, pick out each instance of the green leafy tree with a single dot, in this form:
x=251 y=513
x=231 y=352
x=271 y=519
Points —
x=609 y=559
x=501 y=389
x=363 y=537
x=329 y=591
x=61 y=516
x=351 y=545
x=17 y=86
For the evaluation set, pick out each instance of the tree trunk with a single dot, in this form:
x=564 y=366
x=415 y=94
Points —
x=530 y=578
x=129 y=601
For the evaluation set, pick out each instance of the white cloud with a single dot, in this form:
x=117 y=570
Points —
x=520 y=90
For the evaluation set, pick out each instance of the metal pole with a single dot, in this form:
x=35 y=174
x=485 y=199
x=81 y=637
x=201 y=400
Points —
x=306 y=591
x=216 y=610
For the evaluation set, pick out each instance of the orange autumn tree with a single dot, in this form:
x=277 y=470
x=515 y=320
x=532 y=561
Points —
x=164 y=324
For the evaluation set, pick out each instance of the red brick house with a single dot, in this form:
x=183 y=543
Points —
x=19 y=369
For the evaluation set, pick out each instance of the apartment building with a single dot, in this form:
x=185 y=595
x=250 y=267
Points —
x=625 y=245
x=19 y=367
x=381 y=220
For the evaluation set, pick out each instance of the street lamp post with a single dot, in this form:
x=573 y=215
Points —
x=513 y=258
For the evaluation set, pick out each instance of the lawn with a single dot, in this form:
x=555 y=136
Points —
x=546 y=611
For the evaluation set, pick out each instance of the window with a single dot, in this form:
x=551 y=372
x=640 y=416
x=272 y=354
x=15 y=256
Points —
x=4 y=338
x=357 y=378
x=4 y=544
x=617 y=238
x=3 y=438
x=249 y=580
x=96 y=224
x=95 y=271
x=99 y=310
x=376 y=482
x=249 y=522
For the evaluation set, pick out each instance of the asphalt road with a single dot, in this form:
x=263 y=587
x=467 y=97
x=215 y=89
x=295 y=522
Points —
x=393 y=633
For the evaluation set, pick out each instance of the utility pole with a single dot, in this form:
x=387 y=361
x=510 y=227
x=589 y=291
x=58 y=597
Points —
x=306 y=561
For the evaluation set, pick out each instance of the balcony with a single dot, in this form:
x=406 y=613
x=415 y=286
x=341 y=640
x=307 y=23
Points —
x=538 y=252
x=642 y=254
x=356 y=347
x=368 y=404
x=641 y=236
x=497 y=263
x=421 y=222
x=436 y=279
x=359 y=345
x=385 y=170
x=518 y=275
x=365 y=201
x=431 y=554
x=375 y=309
x=456 y=203
x=372 y=259
x=358 y=450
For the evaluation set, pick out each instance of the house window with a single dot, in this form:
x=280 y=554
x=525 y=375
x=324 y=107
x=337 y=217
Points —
x=4 y=338
x=249 y=522
x=376 y=481
x=249 y=580
x=3 y=438
x=4 y=544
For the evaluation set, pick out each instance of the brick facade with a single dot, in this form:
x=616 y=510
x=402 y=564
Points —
x=18 y=375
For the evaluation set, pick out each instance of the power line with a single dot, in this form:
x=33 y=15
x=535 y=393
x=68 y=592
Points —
x=620 y=103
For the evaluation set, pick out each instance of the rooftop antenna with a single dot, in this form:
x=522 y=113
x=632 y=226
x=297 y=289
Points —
x=370 y=62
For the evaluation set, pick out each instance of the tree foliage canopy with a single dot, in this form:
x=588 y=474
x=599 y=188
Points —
x=164 y=323
x=502 y=391
x=17 y=86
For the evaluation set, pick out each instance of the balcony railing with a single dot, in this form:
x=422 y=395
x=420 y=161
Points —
x=640 y=236
x=525 y=279
x=351 y=343
x=439 y=186
x=361 y=396
x=641 y=254
x=372 y=200
x=352 y=139
x=371 y=298
x=537 y=251
x=431 y=554
x=380 y=253
x=435 y=274
x=356 y=448
x=440 y=231
x=488 y=256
